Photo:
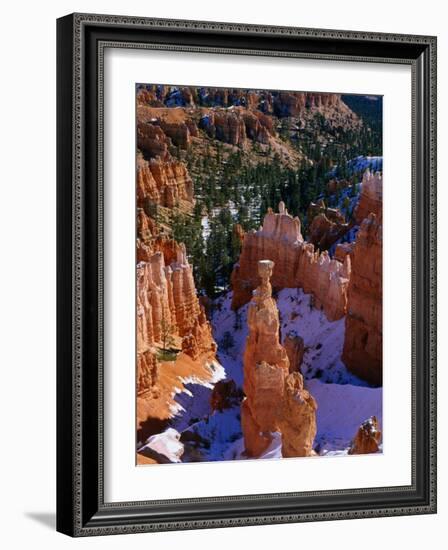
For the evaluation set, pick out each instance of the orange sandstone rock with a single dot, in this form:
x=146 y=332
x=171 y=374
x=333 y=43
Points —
x=295 y=349
x=274 y=399
x=363 y=344
x=297 y=419
x=367 y=438
x=371 y=197
x=167 y=301
x=164 y=182
x=298 y=265
x=266 y=366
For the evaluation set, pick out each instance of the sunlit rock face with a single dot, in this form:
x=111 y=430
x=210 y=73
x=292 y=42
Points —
x=237 y=126
x=363 y=345
x=167 y=303
x=367 y=438
x=298 y=265
x=266 y=366
x=270 y=390
x=164 y=182
x=162 y=179
x=297 y=421
x=371 y=197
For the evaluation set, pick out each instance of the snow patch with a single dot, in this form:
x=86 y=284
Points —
x=166 y=443
x=341 y=409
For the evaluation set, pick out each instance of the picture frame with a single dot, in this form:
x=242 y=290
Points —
x=81 y=506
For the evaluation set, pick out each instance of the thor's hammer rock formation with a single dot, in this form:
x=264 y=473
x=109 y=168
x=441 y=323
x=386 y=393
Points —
x=271 y=392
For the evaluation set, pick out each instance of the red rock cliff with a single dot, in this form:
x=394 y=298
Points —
x=237 y=125
x=161 y=178
x=167 y=183
x=297 y=265
x=167 y=301
x=362 y=353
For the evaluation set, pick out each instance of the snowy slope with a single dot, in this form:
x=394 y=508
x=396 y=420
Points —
x=323 y=339
x=344 y=401
x=193 y=402
x=341 y=410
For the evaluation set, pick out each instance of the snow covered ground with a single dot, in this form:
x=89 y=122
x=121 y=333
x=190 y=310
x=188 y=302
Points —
x=193 y=403
x=360 y=164
x=344 y=401
x=341 y=410
x=166 y=444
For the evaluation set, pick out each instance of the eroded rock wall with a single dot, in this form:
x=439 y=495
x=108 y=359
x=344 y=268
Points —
x=363 y=344
x=167 y=305
x=298 y=265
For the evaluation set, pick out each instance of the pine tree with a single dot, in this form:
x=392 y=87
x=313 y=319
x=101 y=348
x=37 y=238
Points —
x=166 y=332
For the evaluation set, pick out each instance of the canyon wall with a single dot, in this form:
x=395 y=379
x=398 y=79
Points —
x=279 y=103
x=161 y=178
x=298 y=265
x=363 y=344
x=272 y=394
x=163 y=182
x=167 y=307
x=237 y=125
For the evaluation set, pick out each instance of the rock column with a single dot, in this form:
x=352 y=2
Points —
x=268 y=386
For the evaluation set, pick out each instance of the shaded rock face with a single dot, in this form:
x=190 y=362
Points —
x=342 y=250
x=297 y=421
x=167 y=304
x=298 y=265
x=371 y=197
x=266 y=375
x=295 y=349
x=327 y=225
x=363 y=344
x=367 y=438
x=147 y=370
x=225 y=395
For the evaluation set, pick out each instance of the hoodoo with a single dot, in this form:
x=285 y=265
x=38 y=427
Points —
x=367 y=438
x=266 y=366
x=167 y=303
x=270 y=391
x=298 y=265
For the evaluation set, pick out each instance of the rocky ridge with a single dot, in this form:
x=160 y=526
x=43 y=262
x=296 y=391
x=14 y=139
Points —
x=298 y=265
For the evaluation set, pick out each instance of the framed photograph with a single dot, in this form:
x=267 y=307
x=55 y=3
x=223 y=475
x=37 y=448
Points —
x=246 y=274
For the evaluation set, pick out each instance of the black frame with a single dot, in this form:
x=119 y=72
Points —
x=81 y=39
